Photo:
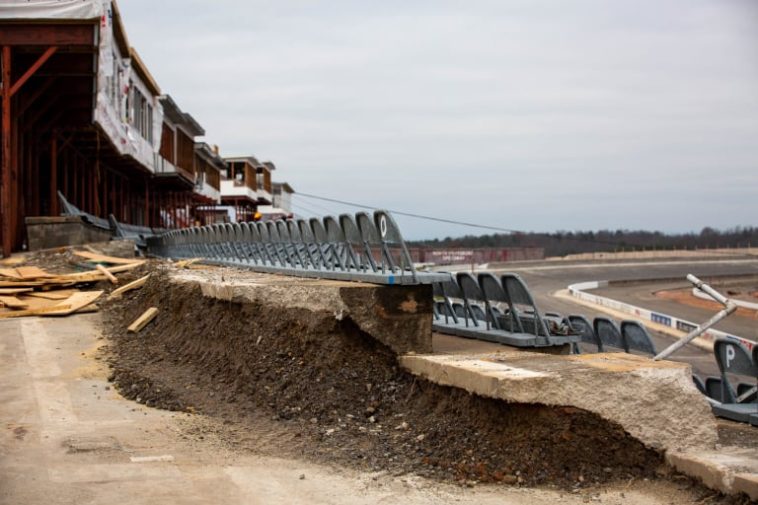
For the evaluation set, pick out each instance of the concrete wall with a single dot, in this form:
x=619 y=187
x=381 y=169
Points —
x=58 y=231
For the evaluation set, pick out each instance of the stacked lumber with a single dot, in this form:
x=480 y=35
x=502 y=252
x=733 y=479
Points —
x=33 y=291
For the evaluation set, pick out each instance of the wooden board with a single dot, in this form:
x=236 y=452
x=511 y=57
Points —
x=107 y=274
x=58 y=294
x=30 y=273
x=14 y=291
x=187 y=263
x=129 y=287
x=13 y=303
x=10 y=273
x=76 y=301
x=101 y=258
x=34 y=312
x=142 y=320
x=12 y=261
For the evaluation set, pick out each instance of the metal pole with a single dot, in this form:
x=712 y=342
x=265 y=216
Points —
x=729 y=308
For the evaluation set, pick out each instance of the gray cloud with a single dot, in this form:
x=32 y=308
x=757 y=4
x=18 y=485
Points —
x=525 y=114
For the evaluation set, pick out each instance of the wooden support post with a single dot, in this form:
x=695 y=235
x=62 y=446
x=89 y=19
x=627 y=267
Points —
x=54 y=174
x=5 y=196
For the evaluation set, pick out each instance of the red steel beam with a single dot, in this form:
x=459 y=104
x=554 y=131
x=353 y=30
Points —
x=35 y=66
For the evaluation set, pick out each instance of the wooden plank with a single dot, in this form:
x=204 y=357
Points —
x=101 y=258
x=107 y=274
x=35 y=312
x=60 y=294
x=99 y=276
x=187 y=263
x=129 y=287
x=12 y=261
x=142 y=320
x=76 y=301
x=10 y=273
x=38 y=303
x=14 y=291
x=32 y=273
x=20 y=284
x=13 y=303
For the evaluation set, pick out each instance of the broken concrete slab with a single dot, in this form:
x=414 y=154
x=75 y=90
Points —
x=654 y=402
x=730 y=470
x=400 y=317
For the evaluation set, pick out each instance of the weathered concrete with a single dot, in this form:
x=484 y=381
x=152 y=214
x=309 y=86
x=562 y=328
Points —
x=398 y=316
x=654 y=402
x=56 y=231
x=729 y=470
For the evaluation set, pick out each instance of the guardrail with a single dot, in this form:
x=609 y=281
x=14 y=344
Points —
x=361 y=248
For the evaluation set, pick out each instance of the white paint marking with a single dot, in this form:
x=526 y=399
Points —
x=152 y=459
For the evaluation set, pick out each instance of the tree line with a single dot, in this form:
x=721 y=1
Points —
x=561 y=243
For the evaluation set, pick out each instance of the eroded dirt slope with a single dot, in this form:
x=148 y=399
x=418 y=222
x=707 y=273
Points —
x=341 y=396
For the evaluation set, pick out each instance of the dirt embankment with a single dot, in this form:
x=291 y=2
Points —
x=341 y=397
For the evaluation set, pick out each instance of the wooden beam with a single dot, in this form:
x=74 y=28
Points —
x=54 y=174
x=129 y=287
x=35 y=66
x=47 y=35
x=6 y=215
x=143 y=320
x=106 y=273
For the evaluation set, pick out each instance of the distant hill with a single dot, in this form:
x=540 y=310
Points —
x=562 y=243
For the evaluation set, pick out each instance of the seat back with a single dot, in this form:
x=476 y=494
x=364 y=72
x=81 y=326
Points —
x=472 y=293
x=517 y=291
x=733 y=358
x=494 y=294
x=699 y=384
x=713 y=388
x=636 y=338
x=583 y=327
x=609 y=333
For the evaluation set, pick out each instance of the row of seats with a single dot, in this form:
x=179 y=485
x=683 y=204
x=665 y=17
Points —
x=495 y=309
x=488 y=303
x=734 y=393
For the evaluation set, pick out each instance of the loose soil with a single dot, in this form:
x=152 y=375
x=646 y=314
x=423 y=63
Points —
x=331 y=393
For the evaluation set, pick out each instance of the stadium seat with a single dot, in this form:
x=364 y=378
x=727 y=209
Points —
x=636 y=338
x=609 y=333
x=734 y=359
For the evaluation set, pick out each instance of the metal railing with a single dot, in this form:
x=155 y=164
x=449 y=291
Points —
x=361 y=248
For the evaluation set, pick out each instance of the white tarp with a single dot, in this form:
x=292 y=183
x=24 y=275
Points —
x=51 y=9
x=113 y=109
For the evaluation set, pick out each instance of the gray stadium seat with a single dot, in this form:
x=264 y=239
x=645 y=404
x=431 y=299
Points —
x=609 y=333
x=734 y=359
x=584 y=329
x=636 y=338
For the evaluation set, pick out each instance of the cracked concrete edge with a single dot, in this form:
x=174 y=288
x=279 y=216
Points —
x=398 y=316
x=714 y=470
x=632 y=400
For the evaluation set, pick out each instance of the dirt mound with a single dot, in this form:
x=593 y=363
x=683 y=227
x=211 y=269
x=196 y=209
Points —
x=343 y=398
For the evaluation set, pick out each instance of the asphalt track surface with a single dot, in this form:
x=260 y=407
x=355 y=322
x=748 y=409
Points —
x=545 y=278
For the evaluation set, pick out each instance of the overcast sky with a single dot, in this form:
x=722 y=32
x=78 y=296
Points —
x=530 y=115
